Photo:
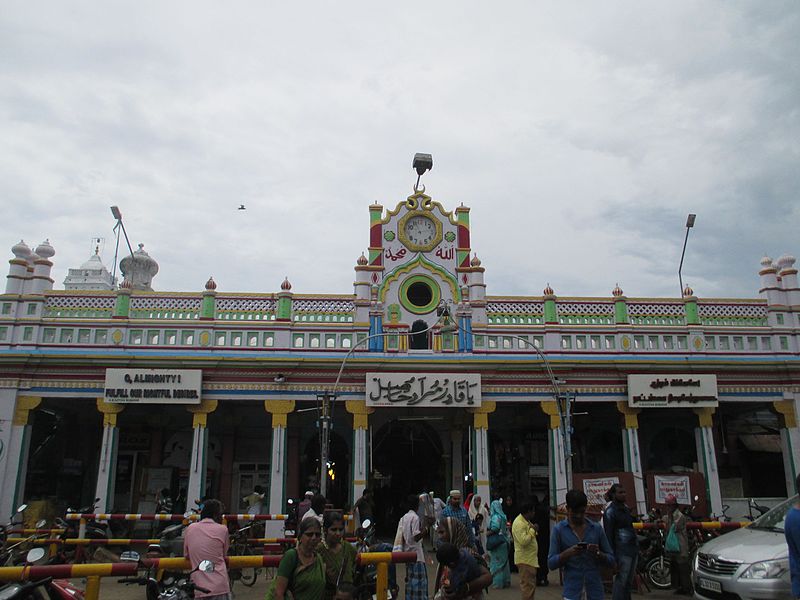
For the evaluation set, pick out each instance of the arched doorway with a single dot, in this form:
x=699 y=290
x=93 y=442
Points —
x=419 y=336
x=339 y=487
x=671 y=447
x=407 y=459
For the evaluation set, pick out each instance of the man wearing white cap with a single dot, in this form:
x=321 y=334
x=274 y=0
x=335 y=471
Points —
x=304 y=505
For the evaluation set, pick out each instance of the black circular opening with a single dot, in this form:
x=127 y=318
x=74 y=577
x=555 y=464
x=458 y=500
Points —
x=420 y=294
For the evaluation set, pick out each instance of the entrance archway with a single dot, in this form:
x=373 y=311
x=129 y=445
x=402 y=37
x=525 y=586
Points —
x=407 y=459
x=419 y=337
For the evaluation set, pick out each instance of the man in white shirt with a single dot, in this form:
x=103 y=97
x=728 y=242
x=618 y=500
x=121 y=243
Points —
x=409 y=537
x=317 y=509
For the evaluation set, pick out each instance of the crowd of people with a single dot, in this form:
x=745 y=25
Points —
x=476 y=547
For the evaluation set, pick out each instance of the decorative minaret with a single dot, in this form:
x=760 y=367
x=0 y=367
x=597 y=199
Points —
x=208 y=307
x=477 y=291
x=42 y=266
x=788 y=276
x=620 y=306
x=550 y=312
x=361 y=289
x=122 y=303
x=139 y=268
x=18 y=271
x=690 y=306
x=770 y=288
x=284 y=312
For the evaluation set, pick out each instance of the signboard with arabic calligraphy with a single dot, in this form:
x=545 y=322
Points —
x=672 y=391
x=446 y=390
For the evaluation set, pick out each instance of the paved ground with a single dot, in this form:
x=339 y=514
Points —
x=113 y=591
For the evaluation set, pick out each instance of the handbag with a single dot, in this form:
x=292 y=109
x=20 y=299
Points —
x=672 y=543
x=494 y=540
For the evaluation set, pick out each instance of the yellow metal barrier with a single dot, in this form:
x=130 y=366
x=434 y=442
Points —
x=94 y=572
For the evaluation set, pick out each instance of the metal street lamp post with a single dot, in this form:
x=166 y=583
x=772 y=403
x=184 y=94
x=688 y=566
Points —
x=689 y=224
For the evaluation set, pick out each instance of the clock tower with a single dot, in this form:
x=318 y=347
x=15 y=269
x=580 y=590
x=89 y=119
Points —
x=419 y=259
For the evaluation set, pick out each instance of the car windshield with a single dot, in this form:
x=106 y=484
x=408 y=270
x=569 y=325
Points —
x=774 y=519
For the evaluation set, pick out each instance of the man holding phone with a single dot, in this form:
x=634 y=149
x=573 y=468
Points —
x=580 y=547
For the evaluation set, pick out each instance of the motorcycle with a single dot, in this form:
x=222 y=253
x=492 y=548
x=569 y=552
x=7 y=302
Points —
x=14 y=554
x=171 y=540
x=290 y=524
x=367 y=575
x=94 y=530
x=12 y=523
x=654 y=565
x=43 y=589
x=178 y=587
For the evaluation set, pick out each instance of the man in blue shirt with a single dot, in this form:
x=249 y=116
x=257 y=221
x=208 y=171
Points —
x=456 y=510
x=791 y=528
x=580 y=547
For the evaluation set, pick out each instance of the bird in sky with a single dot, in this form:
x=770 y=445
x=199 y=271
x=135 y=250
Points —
x=241 y=207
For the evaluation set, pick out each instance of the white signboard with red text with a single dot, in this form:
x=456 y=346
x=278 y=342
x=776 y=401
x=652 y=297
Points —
x=595 y=489
x=677 y=485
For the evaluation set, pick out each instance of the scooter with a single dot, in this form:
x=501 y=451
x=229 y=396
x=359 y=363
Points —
x=169 y=588
x=44 y=589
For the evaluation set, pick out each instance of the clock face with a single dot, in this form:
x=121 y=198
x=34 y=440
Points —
x=420 y=231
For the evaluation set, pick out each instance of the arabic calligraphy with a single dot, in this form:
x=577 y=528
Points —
x=394 y=257
x=403 y=389
x=445 y=254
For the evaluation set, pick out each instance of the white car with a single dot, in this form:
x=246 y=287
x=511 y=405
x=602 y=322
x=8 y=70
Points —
x=749 y=563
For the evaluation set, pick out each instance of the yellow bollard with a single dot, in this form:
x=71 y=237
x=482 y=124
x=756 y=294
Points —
x=92 y=588
x=382 y=582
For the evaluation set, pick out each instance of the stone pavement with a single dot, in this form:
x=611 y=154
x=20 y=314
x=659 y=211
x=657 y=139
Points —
x=111 y=590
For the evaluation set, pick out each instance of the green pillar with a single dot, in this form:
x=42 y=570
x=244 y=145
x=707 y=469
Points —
x=208 y=307
x=550 y=312
x=122 y=304
x=284 y=311
x=620 y=306
x=690 y=304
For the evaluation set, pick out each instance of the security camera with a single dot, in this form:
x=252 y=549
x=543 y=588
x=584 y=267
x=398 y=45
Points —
x=279 y=378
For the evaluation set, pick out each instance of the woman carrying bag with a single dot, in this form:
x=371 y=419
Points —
x=676 y=545
x=497 y=545
x=301 y=573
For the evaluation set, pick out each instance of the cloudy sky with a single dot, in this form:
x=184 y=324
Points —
x=580 y=134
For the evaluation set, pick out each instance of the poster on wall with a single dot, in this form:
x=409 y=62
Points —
x=595 y=489
x=677 y=485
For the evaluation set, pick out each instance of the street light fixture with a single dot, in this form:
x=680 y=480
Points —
x=422 y=163
x=689 y=224
x=117 y=214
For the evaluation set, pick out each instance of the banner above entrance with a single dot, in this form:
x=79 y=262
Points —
x=424 y=389
x=672 y=391
x=153 y=386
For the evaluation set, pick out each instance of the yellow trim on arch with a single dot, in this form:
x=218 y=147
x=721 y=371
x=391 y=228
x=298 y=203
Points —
x=420 y=260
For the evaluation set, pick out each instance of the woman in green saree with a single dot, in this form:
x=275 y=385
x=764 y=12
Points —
x=338 y=555
x=301 y=573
